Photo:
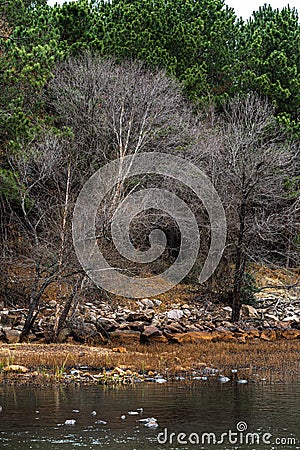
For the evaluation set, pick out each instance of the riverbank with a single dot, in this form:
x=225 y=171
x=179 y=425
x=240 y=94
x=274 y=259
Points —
x=183 y=315
x=255 y=361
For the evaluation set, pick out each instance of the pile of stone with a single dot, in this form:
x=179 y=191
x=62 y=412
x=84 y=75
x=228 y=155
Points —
x=275 y=315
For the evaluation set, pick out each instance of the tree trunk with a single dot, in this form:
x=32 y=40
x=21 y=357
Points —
x=239 y=269
x=65 y=312
x=63 y=234
x=33 y=305
x=30 y=318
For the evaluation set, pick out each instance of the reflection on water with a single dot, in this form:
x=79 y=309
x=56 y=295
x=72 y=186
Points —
x=33 y=418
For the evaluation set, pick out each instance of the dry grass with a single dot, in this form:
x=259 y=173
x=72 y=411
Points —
x=278 y=361
x=276 y=277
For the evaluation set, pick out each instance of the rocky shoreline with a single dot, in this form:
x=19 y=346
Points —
x=178 y=337
x=276 y=315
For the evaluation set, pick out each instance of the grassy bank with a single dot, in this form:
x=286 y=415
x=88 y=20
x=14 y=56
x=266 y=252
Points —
x=255 y=361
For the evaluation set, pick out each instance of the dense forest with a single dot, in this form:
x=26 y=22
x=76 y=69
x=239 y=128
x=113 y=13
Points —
x=91 y=81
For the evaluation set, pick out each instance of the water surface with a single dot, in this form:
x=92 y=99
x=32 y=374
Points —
x=33 y=418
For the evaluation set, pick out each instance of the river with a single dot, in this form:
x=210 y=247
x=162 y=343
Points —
x=198 y=415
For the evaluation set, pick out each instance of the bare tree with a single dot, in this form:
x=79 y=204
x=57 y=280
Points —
x=104 y=111
x=117 y=110
x=37 y=238
x=253 y=166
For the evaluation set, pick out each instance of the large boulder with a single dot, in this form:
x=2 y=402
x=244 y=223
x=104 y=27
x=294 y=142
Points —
x=125 y=336
x=106 y=324
x=85 y=332
x=152 y=334
x=192 y=336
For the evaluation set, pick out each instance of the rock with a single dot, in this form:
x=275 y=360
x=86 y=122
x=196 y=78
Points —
x=90 y=317
x=293 y=318
x=268 y=335
x=90 y=305
x=16 y=368
x=253 y=333
x=12 y=336
x=123 y=417
x=125 y=336
x=145 y=316
x=223 y=379
x=133 y=413
x=199 y=336
x=156 y=302
x=241 y=338
x=175 y=314
x=148 y=419
x=106 y=323
x=118 y=371
x=5 y=319
x=150 y=332
x=63 y=335
x=227 y=324
x=136 y=326
x=161 y=339
x=31 y=337
x=94 y=413
x=147 y=303
x=180 y=338
x=119 y=350
x=272 y=317
x=149 y=422
x=291 y=334
x=192 y=327
x=70 y=422
x=191 y=336
x=173 y=328
x=223 y=335
x=250 y=311
x=100 y=422
x=86 y=332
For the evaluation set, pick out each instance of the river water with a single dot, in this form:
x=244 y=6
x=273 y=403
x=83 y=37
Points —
x=201 y=415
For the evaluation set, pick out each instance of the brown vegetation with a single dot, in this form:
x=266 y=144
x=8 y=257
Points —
x=255 y=361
